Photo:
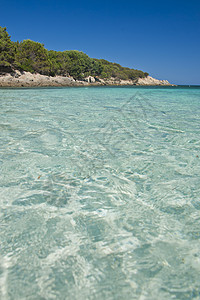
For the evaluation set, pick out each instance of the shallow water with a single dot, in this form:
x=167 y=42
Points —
x=100 y=193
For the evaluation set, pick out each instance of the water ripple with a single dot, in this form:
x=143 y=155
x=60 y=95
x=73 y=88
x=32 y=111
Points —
x=99 y=193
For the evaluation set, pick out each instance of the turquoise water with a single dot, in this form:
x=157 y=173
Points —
x=100 y=193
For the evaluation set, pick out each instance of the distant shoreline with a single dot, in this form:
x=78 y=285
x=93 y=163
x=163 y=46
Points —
x=26 y=79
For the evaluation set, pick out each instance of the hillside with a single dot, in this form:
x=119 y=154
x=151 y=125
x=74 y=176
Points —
x=32 y=57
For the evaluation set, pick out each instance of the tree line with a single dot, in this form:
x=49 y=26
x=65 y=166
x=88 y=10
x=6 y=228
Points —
x=32 y=57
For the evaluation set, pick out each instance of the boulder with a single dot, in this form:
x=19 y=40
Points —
x=90 y=79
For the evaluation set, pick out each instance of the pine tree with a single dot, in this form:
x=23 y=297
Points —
x=7 y=51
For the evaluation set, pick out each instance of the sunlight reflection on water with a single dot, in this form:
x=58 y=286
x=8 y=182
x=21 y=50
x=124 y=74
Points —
x=99 y=193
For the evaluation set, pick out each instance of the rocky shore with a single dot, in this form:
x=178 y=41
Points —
x=26 y=79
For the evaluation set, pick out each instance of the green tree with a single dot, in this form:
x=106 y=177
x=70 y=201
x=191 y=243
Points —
x=32 y=57
x=7 y=51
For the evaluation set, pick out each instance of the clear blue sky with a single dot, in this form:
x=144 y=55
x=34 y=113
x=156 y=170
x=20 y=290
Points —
x=159 y=37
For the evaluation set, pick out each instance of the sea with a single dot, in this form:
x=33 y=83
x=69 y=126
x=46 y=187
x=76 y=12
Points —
x=100 y=193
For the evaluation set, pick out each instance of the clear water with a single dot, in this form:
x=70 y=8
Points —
x=100 y=193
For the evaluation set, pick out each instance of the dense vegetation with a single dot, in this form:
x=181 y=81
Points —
x=7 y=51
x=32 y=57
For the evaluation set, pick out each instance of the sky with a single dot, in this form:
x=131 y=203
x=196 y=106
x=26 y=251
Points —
x=158 y=37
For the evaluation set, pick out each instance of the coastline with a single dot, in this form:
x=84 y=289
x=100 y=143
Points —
x=26 y=79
